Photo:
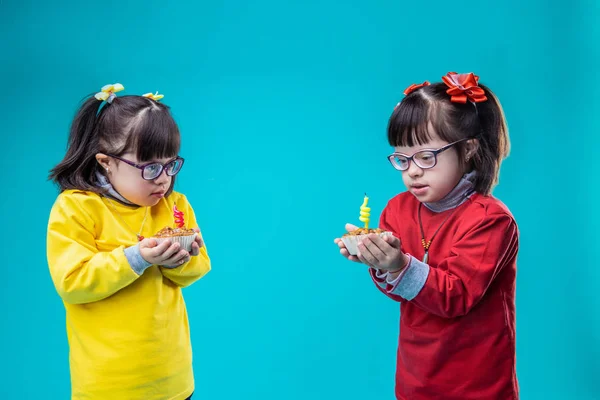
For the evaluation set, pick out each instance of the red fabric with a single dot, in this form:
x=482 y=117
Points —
x=414 y=87
x=463 y=87
x=457 y=336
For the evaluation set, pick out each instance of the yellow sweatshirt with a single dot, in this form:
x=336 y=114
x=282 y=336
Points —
x=128 y=334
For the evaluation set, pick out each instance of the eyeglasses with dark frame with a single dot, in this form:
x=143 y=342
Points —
x=424 y=159
x=152 y=170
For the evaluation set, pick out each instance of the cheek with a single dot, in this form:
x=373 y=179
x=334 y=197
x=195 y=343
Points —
x=405 y=178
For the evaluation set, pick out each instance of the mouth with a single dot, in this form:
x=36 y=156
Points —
x=159 y=194
x=419 y=189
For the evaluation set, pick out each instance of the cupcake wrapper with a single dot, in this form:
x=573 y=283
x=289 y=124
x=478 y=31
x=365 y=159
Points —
x=351 y=242
x=184 y=241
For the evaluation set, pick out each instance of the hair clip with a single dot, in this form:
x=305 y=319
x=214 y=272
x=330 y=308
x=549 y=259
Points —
x=107 y=93
x=414 y=87
x=155 y=97
x=463 y=87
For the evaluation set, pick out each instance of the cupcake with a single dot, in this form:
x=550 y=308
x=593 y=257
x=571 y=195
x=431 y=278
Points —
x=185 y=237
x=351 y=239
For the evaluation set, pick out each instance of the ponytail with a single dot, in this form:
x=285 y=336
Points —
x=494 y=143
x=78 y=167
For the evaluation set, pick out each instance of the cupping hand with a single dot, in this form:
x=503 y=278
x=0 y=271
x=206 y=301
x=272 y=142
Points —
x=169 y=254
x=343 y=250
x=197 y=244
x=166 y=253
x=377 y=252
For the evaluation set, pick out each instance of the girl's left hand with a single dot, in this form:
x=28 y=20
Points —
x=382 y=253
x=197 y=244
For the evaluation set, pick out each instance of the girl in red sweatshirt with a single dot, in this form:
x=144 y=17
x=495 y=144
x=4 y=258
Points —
x=451 y=262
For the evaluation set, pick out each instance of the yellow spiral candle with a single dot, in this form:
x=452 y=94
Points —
x=365 y=212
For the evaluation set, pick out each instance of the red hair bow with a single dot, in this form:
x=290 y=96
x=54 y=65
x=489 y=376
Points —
x=414 y=87
x=463 y=87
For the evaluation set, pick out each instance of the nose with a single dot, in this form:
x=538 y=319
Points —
x=414 y=171
x=162 y=179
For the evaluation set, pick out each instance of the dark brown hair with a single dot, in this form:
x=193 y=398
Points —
x=133 y=124
x=409 y=126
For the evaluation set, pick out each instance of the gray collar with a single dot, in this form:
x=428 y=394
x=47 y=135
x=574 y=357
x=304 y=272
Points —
x=461 y=192
x=110 y=191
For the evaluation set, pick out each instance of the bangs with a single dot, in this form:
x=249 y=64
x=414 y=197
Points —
x=154 y=134
x=417 y=119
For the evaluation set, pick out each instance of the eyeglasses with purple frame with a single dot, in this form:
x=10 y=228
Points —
x=425 y=159
x=152 y=170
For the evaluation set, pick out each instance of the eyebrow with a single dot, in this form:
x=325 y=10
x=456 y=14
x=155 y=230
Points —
x=426 y=149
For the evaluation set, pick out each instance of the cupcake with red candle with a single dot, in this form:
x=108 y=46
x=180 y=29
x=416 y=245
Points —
x=179 y=234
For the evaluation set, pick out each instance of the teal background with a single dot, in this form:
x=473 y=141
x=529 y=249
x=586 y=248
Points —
x=283 y=110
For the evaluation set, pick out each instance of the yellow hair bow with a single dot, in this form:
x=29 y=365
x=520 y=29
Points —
x=155 y=97
x=107 y=93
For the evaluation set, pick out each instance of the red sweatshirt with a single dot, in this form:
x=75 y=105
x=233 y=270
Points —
x=457 y=321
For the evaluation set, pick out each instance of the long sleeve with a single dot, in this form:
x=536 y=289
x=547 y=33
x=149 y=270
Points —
x=199 y=265
x=81 y=273
x=458 y=282
x=380 y=277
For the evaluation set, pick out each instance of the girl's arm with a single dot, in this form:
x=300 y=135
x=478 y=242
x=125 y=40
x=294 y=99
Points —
x=460 y=281
x=382 y=278
x=80 y=272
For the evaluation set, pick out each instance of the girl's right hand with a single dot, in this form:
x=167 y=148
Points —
x=343 y=249
x=167 y=254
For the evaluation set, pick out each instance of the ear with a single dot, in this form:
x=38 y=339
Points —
x=471 y=147
x=104 y=161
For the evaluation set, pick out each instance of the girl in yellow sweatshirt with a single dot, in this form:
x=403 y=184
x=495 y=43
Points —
x=127 y=324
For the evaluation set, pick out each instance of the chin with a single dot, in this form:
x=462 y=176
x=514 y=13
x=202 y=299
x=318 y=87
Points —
x=427 y=198
x=147 y=202
x=152 y=202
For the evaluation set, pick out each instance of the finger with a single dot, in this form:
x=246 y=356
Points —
x=177 y=259
x=195 y=249
x=364 y=255
x=350 y=227
x=148 y=243
x=199 y=241
x=386 y=246
x=392 y=241
x=160 y=248
x=370 y=251
x=173 y=249
x=378 y=247
x=363 y=260
x=344 y=251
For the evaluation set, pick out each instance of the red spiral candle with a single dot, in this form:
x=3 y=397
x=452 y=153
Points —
x=179 y=221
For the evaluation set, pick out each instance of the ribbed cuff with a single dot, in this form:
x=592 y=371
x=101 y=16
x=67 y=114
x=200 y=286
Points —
x=411 y=280
x=136 y=261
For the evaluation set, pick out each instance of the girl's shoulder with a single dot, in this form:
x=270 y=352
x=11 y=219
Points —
x=77 y=205
x=477 y=208
x=488 y=205
x=78 y=198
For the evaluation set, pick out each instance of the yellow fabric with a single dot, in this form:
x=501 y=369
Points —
x=128 y=335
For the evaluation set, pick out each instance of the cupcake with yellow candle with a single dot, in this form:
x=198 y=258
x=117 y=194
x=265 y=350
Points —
x=185 y=237
x=351 y=239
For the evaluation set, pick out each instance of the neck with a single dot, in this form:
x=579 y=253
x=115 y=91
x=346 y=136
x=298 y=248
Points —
x=109 y=190
x=461 y=192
